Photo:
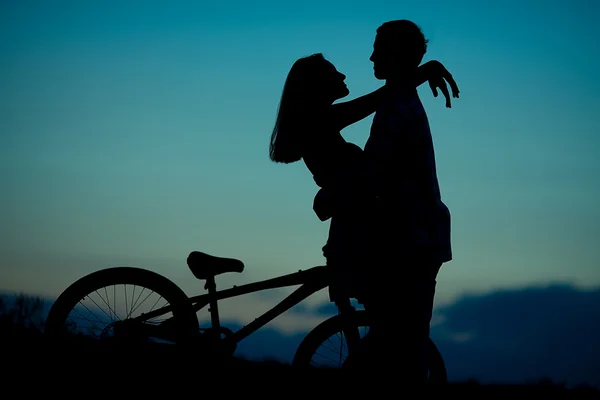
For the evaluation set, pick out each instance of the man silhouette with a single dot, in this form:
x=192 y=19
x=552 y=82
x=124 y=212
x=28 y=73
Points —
x=413 y=238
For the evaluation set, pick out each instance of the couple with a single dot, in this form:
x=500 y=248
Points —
x=390 y=230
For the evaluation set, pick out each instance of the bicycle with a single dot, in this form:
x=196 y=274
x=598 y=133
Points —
x=182 y=327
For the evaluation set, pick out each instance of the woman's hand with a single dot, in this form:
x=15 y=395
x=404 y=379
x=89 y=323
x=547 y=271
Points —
x=437 y=75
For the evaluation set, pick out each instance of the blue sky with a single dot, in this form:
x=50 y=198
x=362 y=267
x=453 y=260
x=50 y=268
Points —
x=132 y=133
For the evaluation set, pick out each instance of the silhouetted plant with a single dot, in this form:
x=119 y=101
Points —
x=22 y=313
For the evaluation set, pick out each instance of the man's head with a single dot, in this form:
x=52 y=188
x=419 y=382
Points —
x=398 y=49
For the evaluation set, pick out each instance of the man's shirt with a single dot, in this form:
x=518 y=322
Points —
x=401 y=147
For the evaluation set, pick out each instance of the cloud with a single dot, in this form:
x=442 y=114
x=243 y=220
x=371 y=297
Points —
x=523 y=334
x=267 y=343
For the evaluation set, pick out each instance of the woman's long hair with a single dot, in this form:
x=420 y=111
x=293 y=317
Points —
x=299 y=105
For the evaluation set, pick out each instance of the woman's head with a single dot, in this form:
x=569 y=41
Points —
x=312 y=85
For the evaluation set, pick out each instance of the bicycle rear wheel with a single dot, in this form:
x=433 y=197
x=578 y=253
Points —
x=101 y=308
x=327 y=346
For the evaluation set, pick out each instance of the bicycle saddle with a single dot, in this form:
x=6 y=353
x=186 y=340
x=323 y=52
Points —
x=204 y=265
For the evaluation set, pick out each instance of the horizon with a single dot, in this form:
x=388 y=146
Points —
x=493 y=355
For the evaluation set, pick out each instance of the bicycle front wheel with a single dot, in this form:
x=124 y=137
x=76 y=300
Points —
x=327 y=346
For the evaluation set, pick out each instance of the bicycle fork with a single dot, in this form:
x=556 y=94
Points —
x=351 y=332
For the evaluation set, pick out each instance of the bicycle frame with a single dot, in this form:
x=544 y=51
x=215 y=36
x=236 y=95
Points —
x=311 y=281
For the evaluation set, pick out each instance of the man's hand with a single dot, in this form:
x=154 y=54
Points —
x=437 y=75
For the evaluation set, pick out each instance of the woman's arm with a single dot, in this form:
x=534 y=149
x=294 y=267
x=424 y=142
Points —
x=437 y=75
x=349 y=112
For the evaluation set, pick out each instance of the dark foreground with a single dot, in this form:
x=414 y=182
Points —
x=68 y=368
x=33 y=366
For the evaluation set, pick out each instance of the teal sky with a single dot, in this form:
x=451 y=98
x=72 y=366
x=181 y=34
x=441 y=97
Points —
x=132 y=133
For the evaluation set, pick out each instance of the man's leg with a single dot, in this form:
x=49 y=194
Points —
x=423 y=293
x=400 y=313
